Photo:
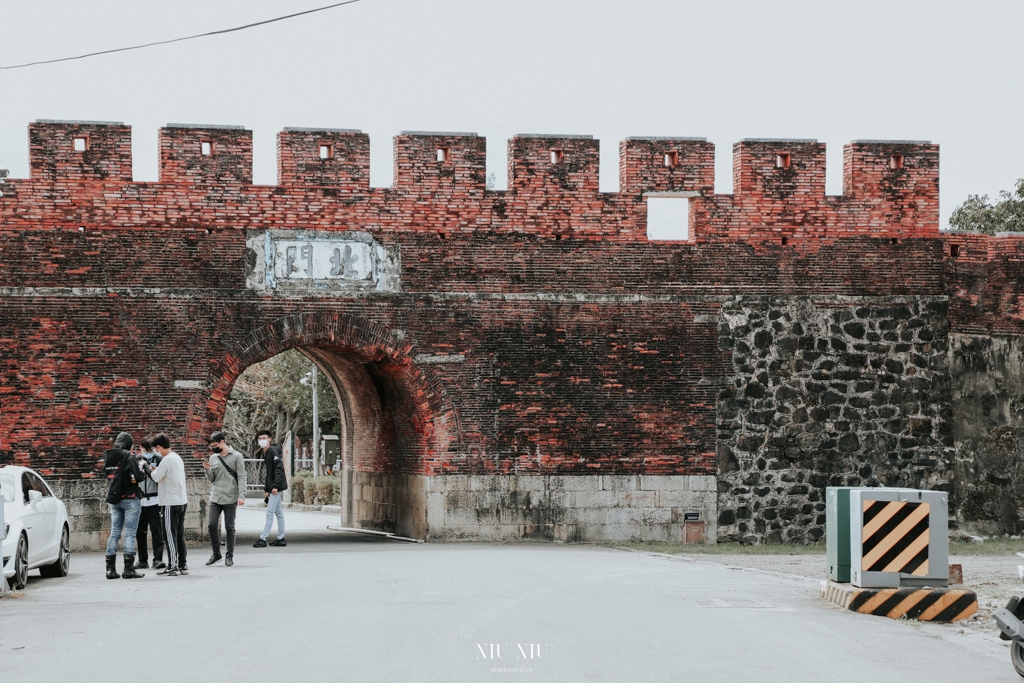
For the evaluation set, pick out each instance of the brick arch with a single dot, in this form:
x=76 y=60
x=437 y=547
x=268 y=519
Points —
x=422 y=420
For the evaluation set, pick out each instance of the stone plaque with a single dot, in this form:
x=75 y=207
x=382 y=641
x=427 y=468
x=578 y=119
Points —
x=307 y=261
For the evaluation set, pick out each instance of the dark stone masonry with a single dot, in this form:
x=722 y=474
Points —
x=521 y=363
x=828 y=393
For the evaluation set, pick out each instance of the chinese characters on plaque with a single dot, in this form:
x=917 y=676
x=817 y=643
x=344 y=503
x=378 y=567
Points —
x=322 y=260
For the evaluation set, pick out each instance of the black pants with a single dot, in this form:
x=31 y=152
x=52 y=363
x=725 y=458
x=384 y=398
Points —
x=229 y=526
x=174 y=527
x=150 y=520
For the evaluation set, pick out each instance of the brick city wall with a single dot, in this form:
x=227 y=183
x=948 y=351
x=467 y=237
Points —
x=532 y=332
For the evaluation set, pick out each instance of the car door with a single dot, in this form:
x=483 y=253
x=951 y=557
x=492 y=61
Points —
x=31 y=515
x=47 y=519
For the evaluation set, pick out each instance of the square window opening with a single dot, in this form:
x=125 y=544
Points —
x=81 y=144
x=671 y=159
x=668 y=218
x=782 y=160
x=557 y=156
x=206 y=147
x=443 y=154
x=896 y=161
x=326 y=152
x=954 y=250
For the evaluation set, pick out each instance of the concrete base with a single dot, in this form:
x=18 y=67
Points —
x=548 y=507
x=568 y=508
x=924 y=604
x=89 y=513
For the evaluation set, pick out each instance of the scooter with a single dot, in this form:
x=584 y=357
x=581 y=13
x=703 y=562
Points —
x=1011 y=625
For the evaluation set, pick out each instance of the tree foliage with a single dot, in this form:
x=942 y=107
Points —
x=279 y=386
x=1005 y=215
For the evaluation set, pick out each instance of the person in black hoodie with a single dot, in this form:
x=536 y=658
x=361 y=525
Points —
x=124 y=474
x=273 y=488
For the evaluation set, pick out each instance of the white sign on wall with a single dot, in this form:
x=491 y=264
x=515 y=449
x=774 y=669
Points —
x=315 y=262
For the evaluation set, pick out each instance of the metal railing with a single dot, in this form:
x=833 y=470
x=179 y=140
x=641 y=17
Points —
x=255 y=473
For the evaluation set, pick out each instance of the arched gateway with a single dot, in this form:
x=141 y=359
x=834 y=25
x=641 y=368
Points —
x=524 y=362
x=394 y=425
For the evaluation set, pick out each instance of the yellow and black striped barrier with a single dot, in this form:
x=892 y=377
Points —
x=924 y=604
x=895 y=537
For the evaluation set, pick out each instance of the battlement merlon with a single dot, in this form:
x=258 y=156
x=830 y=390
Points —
x=96 y=150
x=436 y=163
x=324 y=157
x=74 y=151
x=661 y=164
x=204 y=153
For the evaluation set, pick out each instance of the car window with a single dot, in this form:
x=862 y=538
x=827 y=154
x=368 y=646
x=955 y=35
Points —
x=39 y=485
x=7 y=487
x=26 y=486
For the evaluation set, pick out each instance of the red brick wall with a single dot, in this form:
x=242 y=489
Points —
x=587 y=348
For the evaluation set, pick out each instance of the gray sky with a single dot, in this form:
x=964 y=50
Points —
x=836 y=71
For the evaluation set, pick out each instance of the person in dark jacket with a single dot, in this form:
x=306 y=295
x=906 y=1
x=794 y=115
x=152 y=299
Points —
x=273 y=486
x=124 y=474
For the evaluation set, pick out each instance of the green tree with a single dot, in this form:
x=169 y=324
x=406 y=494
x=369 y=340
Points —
x=277 y=393
x=1005 y=215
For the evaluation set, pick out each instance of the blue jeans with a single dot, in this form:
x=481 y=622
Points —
x=124 y=517
x=274 y=508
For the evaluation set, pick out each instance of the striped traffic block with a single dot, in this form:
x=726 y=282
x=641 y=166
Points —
x=923 y=604
x=894 y=537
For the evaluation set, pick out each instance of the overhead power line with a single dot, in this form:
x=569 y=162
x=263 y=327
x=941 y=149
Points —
x=178 y=40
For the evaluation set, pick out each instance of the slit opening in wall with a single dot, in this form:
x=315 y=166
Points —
x=326 y=151
x=557 y=156
x=206 y=148
x=443 y=154
x=668 y=218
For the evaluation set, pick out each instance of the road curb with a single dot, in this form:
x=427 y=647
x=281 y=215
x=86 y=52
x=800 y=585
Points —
x=943 y=605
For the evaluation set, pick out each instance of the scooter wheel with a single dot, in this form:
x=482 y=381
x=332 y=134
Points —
x=1017 y=657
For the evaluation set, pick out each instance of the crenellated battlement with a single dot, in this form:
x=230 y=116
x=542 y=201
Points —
x=890 y=187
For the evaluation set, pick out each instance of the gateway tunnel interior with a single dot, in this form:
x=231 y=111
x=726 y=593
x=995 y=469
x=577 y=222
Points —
x=355 y=461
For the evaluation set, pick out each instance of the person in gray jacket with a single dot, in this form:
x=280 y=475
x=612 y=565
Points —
x=225 y=469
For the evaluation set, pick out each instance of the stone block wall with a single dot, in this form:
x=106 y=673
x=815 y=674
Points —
x=570 y=508
x=987 y=375
x=827 y=392
x=89 y=513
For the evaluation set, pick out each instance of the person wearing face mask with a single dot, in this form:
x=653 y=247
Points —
x=274 y=485
x=225 y=471
x=151 y=519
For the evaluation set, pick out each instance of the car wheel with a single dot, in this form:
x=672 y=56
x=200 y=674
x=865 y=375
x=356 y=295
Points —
x=20 y=565
x=63 y=562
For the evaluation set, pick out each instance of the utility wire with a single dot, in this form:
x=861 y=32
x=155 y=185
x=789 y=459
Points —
x=178 y=40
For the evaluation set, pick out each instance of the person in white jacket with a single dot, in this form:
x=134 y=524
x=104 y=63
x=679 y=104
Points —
x=171 y=495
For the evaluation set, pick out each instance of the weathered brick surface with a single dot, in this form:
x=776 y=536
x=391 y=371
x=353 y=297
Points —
x=568 y=343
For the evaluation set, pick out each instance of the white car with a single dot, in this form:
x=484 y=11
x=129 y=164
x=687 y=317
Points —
x=37 y=532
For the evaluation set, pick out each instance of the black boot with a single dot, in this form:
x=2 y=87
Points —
x=112 y=567
x=129 y=568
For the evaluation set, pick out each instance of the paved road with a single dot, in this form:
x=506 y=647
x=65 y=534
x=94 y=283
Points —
x=337 y=607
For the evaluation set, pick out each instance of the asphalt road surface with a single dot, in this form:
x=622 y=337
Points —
x=340 y=607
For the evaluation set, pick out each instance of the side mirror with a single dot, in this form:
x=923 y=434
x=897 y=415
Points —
x=34 y=496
